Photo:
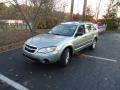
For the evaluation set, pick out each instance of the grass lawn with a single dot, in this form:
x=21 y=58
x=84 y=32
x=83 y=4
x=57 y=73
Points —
x=13 y=39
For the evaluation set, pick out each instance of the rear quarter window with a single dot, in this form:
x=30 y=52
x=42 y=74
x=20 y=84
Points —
x=90 y=27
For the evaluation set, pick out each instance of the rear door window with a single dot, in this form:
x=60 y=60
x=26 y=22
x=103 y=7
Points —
x=88 y=27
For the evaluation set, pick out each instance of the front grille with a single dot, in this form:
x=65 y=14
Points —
x=30 y=49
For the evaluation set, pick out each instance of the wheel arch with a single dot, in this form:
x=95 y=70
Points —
x=96 y=38
x=70 y=48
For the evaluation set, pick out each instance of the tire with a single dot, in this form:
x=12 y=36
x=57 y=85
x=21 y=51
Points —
x=65 y=57
x=93 y=46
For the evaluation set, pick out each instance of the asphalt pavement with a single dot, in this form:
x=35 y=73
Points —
x=88 y=70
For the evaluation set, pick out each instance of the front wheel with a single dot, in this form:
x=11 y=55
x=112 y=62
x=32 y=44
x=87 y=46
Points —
x=93 y=46
x=65 y=57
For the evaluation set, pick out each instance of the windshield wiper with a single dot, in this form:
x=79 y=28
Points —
x=55 y=33
x=60 y=34
x=48 y=33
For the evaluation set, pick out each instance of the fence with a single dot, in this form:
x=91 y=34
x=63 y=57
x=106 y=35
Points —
x=4 y=27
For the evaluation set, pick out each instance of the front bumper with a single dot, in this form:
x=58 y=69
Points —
x=42 y=57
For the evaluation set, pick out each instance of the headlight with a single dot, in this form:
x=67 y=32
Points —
x=47 y=50
x=29 y=40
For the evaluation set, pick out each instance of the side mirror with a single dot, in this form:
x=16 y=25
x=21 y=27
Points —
x=78 y=34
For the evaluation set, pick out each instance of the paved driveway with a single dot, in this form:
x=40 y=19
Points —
x=88 y=70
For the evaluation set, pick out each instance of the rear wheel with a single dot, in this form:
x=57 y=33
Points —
x=65 y=57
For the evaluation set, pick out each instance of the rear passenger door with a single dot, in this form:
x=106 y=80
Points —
x=89 y=33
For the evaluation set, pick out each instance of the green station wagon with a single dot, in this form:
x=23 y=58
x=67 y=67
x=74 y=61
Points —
x=61 y=42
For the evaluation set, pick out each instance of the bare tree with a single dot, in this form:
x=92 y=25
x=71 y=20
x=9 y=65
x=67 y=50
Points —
x=111 y=15
x=112 y=10
x=89 y=14
x=35 y=11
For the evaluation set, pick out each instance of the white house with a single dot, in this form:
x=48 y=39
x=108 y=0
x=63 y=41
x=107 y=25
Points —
x=12 y=22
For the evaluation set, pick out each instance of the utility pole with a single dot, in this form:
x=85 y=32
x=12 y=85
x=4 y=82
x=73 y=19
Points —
x=98 y=10
x=26 y=11
x=71 y=11
x=84 y=10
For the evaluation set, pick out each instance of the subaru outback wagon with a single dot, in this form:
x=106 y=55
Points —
x=61 y=42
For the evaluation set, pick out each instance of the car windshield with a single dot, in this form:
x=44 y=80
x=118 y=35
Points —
x=63 y=29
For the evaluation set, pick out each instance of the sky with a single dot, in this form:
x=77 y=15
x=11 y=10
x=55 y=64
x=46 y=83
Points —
x=78 y=6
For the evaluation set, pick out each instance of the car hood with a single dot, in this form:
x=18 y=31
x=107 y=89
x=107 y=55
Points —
x=45 y=40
